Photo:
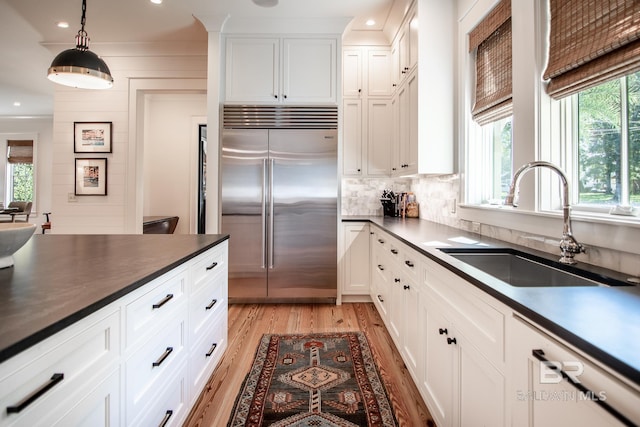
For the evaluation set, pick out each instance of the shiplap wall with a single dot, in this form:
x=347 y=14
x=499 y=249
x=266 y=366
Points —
x=111 y=214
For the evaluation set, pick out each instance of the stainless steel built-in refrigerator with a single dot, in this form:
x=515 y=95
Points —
x=279 y=206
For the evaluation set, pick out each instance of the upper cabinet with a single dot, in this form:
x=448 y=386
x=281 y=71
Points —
x=294 y=70
x=366 y=72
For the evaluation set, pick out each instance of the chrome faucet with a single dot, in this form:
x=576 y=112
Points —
x=569 y=246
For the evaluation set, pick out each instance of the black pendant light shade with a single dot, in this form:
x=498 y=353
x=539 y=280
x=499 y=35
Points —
x=79 y=67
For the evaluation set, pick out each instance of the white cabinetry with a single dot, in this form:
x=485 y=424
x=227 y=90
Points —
x=463 y=381
x=355 y=259
x=406 y=146
x=543 y=396
x=366 y=111
x=141 y=360
x=69 y=376
x=281 y=70
x=449 y=334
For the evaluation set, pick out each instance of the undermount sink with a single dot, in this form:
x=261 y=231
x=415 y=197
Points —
x=521 y=269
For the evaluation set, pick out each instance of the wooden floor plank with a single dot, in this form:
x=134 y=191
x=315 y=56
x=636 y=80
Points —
x=247 y=324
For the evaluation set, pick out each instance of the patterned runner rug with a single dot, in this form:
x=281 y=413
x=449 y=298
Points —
x=320 y=380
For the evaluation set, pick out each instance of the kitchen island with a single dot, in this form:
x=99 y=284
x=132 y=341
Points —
x=455 y=324
x=99 y=307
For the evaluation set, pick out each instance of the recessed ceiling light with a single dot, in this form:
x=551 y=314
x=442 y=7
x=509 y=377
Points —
x=62 y=24
x=17 y=104
x=266 y=3
x=370 y=22
x=156 y=1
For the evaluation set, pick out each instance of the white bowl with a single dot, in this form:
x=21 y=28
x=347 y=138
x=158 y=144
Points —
x=13 y=236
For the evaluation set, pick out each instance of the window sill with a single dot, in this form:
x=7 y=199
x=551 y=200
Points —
x=619 y=233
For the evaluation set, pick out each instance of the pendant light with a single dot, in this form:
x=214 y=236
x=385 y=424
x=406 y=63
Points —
x=79 y=67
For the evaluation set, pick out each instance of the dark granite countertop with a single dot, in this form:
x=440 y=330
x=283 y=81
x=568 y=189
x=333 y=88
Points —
x=60 y=279
x=603 y=322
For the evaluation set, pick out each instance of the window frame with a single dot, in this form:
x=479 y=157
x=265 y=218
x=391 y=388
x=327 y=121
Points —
x=538 y=132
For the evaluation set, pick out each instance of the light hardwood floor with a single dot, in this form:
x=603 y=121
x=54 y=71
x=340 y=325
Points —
x=247 y=323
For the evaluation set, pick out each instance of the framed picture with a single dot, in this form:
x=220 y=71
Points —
x=92 y=137
x=91 y=177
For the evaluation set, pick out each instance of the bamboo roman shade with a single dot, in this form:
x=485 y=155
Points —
x=19 y=151
x=591 y=42
x=492 y=40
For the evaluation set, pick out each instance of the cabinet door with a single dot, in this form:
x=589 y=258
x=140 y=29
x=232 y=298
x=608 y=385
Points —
x=411 y=327
x=379 y=137
x=252 y=70
x=403 y=130
x=412 y=23
x=481 y=388
x=309 y=70
x=351 y=73
x=352 y=137
x=395 y=135
x=403 y=54
x=438 y=363
x=410 y=155
x=356 y=259
x=395 y=307
x=379 y=73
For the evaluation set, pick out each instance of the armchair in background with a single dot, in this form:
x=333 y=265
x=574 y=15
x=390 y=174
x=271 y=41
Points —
x=16 y=212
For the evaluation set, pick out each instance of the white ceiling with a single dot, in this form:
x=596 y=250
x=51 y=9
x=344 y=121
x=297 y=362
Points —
x=26 y=26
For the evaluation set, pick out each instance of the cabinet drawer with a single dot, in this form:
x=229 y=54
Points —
x=482 y=324
x=209 y=266
x=170 y=406
x=206 y=304
x=410 y=263
x=149 y=311
x=151 y=366
x=57 y=367
x=206 y=353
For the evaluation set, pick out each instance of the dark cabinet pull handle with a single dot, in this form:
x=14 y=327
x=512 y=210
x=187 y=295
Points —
x=409 y=263
x=407 y=287
x=212 y=266
x=539 y=354
x=442 y=331
x=165 y=420
x=55 y=379
x=396 y=280
x=359 y=90
x=451 y=341
x=381 y=241
x=380 y=267
x=275 y=96
x=162 y=358
x=394 y=251
x=211 y=304
x=380 y=298
x=211 y=350
x=358 y=170
x=163 y=301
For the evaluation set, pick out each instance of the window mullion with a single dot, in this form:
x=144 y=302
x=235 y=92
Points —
x=624 y=143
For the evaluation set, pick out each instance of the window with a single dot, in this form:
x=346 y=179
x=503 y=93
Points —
x=19 y=171
x=497 y=162
x=607 y=144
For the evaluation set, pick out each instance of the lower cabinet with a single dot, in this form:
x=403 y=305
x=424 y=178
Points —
x=355 y=262
x=555 y=385
x=461 y=384
x=449 y=335
x=142 y=360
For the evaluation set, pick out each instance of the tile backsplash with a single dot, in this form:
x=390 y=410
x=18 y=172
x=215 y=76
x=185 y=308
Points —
x=438 y=197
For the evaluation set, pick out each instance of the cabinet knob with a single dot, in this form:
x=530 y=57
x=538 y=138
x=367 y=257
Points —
x=395 y=85
x=396 y=280
x=442 y=331
x=359 y=90
x=451 y=341
x=284 y=96
x=359 y=170
x=275 y=96
x=406 y=287
x=393 y=169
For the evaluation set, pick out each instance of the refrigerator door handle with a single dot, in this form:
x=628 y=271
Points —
x=271 y=219
x=264 y=213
